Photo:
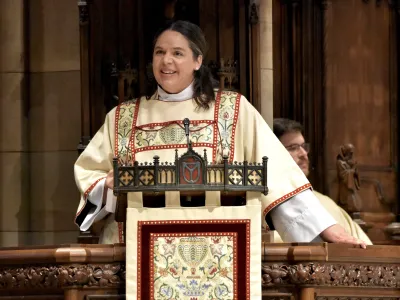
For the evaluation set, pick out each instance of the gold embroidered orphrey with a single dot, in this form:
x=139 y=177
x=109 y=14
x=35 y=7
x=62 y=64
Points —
x=217 y=134
x=193 y=265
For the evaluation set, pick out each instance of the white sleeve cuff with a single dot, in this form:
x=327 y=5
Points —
x=301 y=218
x=97 y=213
x=111 y=201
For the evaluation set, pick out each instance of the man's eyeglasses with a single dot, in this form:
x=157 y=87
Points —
x=296 y=147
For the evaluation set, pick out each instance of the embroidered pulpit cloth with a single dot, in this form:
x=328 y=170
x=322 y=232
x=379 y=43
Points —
x=211 y=252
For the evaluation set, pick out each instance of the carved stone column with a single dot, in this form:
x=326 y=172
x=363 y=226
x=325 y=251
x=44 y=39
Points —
x=266 y=66
x=14 y=187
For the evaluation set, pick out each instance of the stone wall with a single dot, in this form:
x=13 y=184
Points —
x=40 y=120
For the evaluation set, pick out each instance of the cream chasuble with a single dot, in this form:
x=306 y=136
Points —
x=341 y=217
x=138 y=130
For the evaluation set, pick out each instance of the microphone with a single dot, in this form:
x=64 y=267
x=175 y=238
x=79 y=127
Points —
x=186 y=123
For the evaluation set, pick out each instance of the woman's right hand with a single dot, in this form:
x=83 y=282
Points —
x=110 y=180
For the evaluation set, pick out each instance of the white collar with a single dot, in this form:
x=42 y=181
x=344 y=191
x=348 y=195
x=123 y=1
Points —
x=181 y=96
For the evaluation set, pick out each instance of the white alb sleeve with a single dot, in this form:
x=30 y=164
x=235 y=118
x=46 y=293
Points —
x=98 y=212
x=301 y=218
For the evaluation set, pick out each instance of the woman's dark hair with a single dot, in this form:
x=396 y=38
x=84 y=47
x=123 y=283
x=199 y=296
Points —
x=203 y=80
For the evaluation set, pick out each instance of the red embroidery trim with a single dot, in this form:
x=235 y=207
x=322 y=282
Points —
x=285 y=197
x=166 y=222
x=132 y=138
x=175 y=123
x=152 y=235
x=180 y=122
x=235 y=272
x=216 y=130
x=248 y=259
x=235 y=118
x=85 y=195
x=139 y=260
x=117 y=112
x=185 y=234
x=171 y=146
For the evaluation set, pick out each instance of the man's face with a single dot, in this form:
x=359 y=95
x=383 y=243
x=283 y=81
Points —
x=295 y=144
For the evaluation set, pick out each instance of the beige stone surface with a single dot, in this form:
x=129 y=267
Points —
x=54 y=35
x=55 y=111
x=11 y=35
x=266 y=60
x=14 y=192
x=266 y=50
x=13 y=131
x=267 y=95
x=14 y=238
x=265 y=11
x=54 y=237
x=38 y=194
x=54 y=196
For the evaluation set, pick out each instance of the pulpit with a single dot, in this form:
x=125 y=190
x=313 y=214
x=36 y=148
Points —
x=289 y=271
x=180 y=241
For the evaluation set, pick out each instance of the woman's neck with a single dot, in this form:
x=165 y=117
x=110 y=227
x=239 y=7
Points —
x=186 y=94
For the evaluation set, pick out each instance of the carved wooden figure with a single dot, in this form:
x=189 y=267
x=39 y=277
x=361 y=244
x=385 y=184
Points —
x=349 y=181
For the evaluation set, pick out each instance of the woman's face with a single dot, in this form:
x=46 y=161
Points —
x=173 y=62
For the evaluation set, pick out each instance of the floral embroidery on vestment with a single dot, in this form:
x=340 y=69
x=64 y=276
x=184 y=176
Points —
x=193 y=266
x=217 y=134
x=123 y=127
x=227 y=118
x=172 y=133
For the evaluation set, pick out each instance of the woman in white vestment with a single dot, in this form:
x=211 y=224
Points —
x=221 y=122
